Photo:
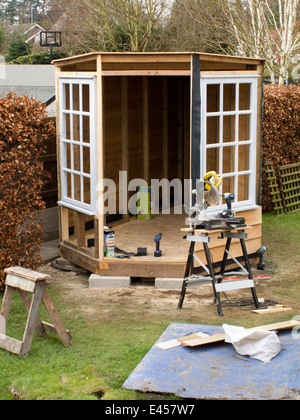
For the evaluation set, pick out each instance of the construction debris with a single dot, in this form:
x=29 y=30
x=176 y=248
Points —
x=65 y=265
x=196 y=339
x=272 y=309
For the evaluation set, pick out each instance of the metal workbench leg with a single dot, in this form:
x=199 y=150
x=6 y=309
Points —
x=224 y=261
x=212 y=274
x=248 y=267
x=188 y=269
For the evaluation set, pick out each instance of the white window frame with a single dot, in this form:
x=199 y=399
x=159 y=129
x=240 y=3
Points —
x=66 y=201
x=252 y=141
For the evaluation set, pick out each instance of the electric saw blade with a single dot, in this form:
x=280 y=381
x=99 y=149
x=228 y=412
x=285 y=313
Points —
x=212 y=197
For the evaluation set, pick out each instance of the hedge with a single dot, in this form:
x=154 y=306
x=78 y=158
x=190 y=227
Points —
x=38 y=58
x=22 y=135
x=281 y=131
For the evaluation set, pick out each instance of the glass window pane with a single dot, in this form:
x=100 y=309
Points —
x=66 y=132
x=85 y=98
x=87 y=190
x=243 y=187
x=86 y=129
x=228 y=159
x=244 y=157
x=76 y=157
x=76 y=127
x=212 y=130
x=213 y=98
x=244 y=96
x=244 y=127
x=228 y=128
x=229 y=98
x=68 y=155
x=66 y=93
x=228 y=186
x=77 y=188
x=212 y=159
x=86 y=160
x=69 y=185
x=76 y=104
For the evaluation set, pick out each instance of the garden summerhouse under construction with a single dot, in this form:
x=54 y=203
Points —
x=127 y=117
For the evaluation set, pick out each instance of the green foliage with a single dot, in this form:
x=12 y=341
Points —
x=2 y=37
x=17 y=47
x=39 y=58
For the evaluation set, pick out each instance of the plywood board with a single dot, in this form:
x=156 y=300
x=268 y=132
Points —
x=213 y=373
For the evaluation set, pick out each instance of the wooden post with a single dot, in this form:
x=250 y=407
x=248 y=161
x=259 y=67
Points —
x=80 y=228
x=125 y=149
x=100 y=157
x=165 y=129
x=146 y=128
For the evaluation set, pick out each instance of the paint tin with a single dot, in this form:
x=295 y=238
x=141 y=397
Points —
x=109 y=243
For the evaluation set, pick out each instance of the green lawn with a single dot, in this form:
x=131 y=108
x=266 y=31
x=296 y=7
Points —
x=106 y=351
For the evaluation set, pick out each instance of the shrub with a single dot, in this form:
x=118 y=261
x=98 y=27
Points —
x=38 y=58
x=281 y=131
x=22 y=135
x=17 y=47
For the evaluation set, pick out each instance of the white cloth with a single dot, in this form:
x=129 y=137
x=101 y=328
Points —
x=258 y=344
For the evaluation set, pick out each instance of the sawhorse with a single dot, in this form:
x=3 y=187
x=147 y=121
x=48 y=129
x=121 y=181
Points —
x=24 y=281
x=216 y=280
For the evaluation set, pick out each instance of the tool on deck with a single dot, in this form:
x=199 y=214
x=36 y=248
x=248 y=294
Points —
x=157 y=239
x=229 y=197
x=207 y=195
x=261 y=265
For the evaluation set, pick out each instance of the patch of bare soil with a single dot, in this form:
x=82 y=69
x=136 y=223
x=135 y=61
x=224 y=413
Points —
x=143 y=301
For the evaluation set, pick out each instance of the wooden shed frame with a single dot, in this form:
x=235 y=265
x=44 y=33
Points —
x=161 y=115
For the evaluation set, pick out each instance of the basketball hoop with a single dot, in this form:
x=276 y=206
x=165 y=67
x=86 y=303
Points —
x=50 y=39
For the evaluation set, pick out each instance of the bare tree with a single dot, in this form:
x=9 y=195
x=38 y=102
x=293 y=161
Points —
x=259 y=28
x=126 y=24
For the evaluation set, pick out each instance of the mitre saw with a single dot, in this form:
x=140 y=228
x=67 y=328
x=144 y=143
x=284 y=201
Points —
x=207 y=195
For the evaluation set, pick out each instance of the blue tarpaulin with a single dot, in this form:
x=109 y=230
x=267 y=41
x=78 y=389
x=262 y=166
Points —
x=212 y=372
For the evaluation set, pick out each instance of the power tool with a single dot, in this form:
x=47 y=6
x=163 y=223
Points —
x=157 y=239
x=207 y=194
x=229 y=197
x=261 y=265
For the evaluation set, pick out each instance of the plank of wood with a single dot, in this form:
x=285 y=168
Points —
x=20 y=283
x=32 y=318
x=26 y=273
x=271 y=310
x=27 y=303
x=193 y=342
x=6 y=303
x=234 y=285
x=63 y=334
x=10 y=344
